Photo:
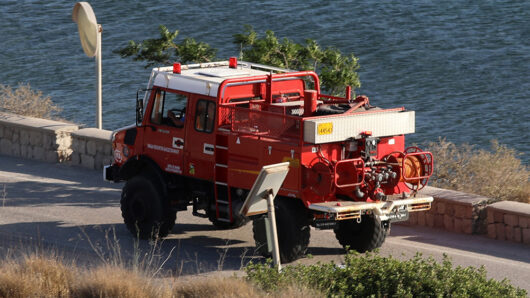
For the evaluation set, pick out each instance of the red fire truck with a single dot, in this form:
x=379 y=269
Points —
x=204 y=131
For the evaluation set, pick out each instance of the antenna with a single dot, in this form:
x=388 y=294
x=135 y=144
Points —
x=90 y=36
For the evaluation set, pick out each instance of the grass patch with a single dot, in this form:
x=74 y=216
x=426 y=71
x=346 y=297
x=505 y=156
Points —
x=27 y=102
x=371 y=275
x=496 y=173
x=39 y=276
x=368 y=275
x=36 y=275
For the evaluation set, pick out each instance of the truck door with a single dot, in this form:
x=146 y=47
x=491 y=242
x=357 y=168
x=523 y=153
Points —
x=200 y=139
x=165 y=132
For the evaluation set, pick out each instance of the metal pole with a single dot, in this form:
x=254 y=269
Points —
x=99 y=120
x=272 y=220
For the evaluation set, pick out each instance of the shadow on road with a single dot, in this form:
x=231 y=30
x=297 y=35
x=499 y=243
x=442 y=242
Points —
x=325 y=251
x=42 y=215
x=112 y=244
x=35 y=183
x=472 y=243
x=33 y=193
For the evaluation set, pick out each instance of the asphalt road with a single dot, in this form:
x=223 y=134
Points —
x=71 y=212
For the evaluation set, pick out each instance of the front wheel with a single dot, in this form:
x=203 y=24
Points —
x=145 y=212
x=367 y=235
x=293 y=230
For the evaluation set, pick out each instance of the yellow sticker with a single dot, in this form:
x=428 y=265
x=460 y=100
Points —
x=293 y=162
x=325 y=128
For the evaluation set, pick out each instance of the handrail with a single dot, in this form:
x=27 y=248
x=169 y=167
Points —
x=231 y=106
x=275 y=130
x=263 y=67
x=278 y=76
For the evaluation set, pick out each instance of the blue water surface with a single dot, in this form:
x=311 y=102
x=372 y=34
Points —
x=463 y=66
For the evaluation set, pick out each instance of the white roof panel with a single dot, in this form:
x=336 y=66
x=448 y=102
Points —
x=201 y=80
x=224 y=72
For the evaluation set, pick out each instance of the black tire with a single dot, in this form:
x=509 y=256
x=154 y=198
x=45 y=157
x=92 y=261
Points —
x=293 y=230
x=367 y=235
x=260 y=237
x=145 y=212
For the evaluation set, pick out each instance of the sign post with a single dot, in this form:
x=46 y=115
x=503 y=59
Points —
x=272 y=221
x=90 y=36
x=261 y=200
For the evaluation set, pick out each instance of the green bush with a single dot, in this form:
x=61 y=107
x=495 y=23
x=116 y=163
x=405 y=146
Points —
x=372 y=275
x=165 y=50
x=497 y=173
x=336 y=70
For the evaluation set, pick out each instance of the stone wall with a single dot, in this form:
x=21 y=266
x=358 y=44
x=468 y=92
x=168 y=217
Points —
x=473 y=214
x=453 y=211
x=35 y=138
x=509 y=221
x=54 y=141
x=91 y=148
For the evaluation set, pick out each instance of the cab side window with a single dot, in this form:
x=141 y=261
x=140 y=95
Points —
x=169 y=109
x=156 y=114
x=175 y=109
x=205 y=116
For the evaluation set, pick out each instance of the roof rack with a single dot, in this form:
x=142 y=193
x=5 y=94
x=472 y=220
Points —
x=264 y=67
x=244 y=64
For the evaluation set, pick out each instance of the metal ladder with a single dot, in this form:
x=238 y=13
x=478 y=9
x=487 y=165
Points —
x=223 y=199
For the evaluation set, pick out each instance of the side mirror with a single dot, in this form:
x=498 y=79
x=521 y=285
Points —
x=139 y=112
x=139 y=108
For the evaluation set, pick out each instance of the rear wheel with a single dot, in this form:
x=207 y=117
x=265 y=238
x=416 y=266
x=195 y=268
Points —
x=293 y=230
x=146 y=213
x=367 y=235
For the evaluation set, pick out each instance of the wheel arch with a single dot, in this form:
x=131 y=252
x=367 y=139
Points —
x=142 y=164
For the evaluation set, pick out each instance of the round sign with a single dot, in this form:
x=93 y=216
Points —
x=85 y=18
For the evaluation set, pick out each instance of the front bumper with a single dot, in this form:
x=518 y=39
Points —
x=111 y=173
x=393 y=209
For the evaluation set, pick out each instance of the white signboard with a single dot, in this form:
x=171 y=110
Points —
x=270 y=179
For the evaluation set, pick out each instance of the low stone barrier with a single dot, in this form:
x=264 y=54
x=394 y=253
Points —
x=35 y=138
x=509 y=221
x=454 y=211
x=473 y=214
x=54 y=141
x=91 y=148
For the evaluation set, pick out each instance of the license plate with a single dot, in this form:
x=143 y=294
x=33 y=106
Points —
x=325 y=225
